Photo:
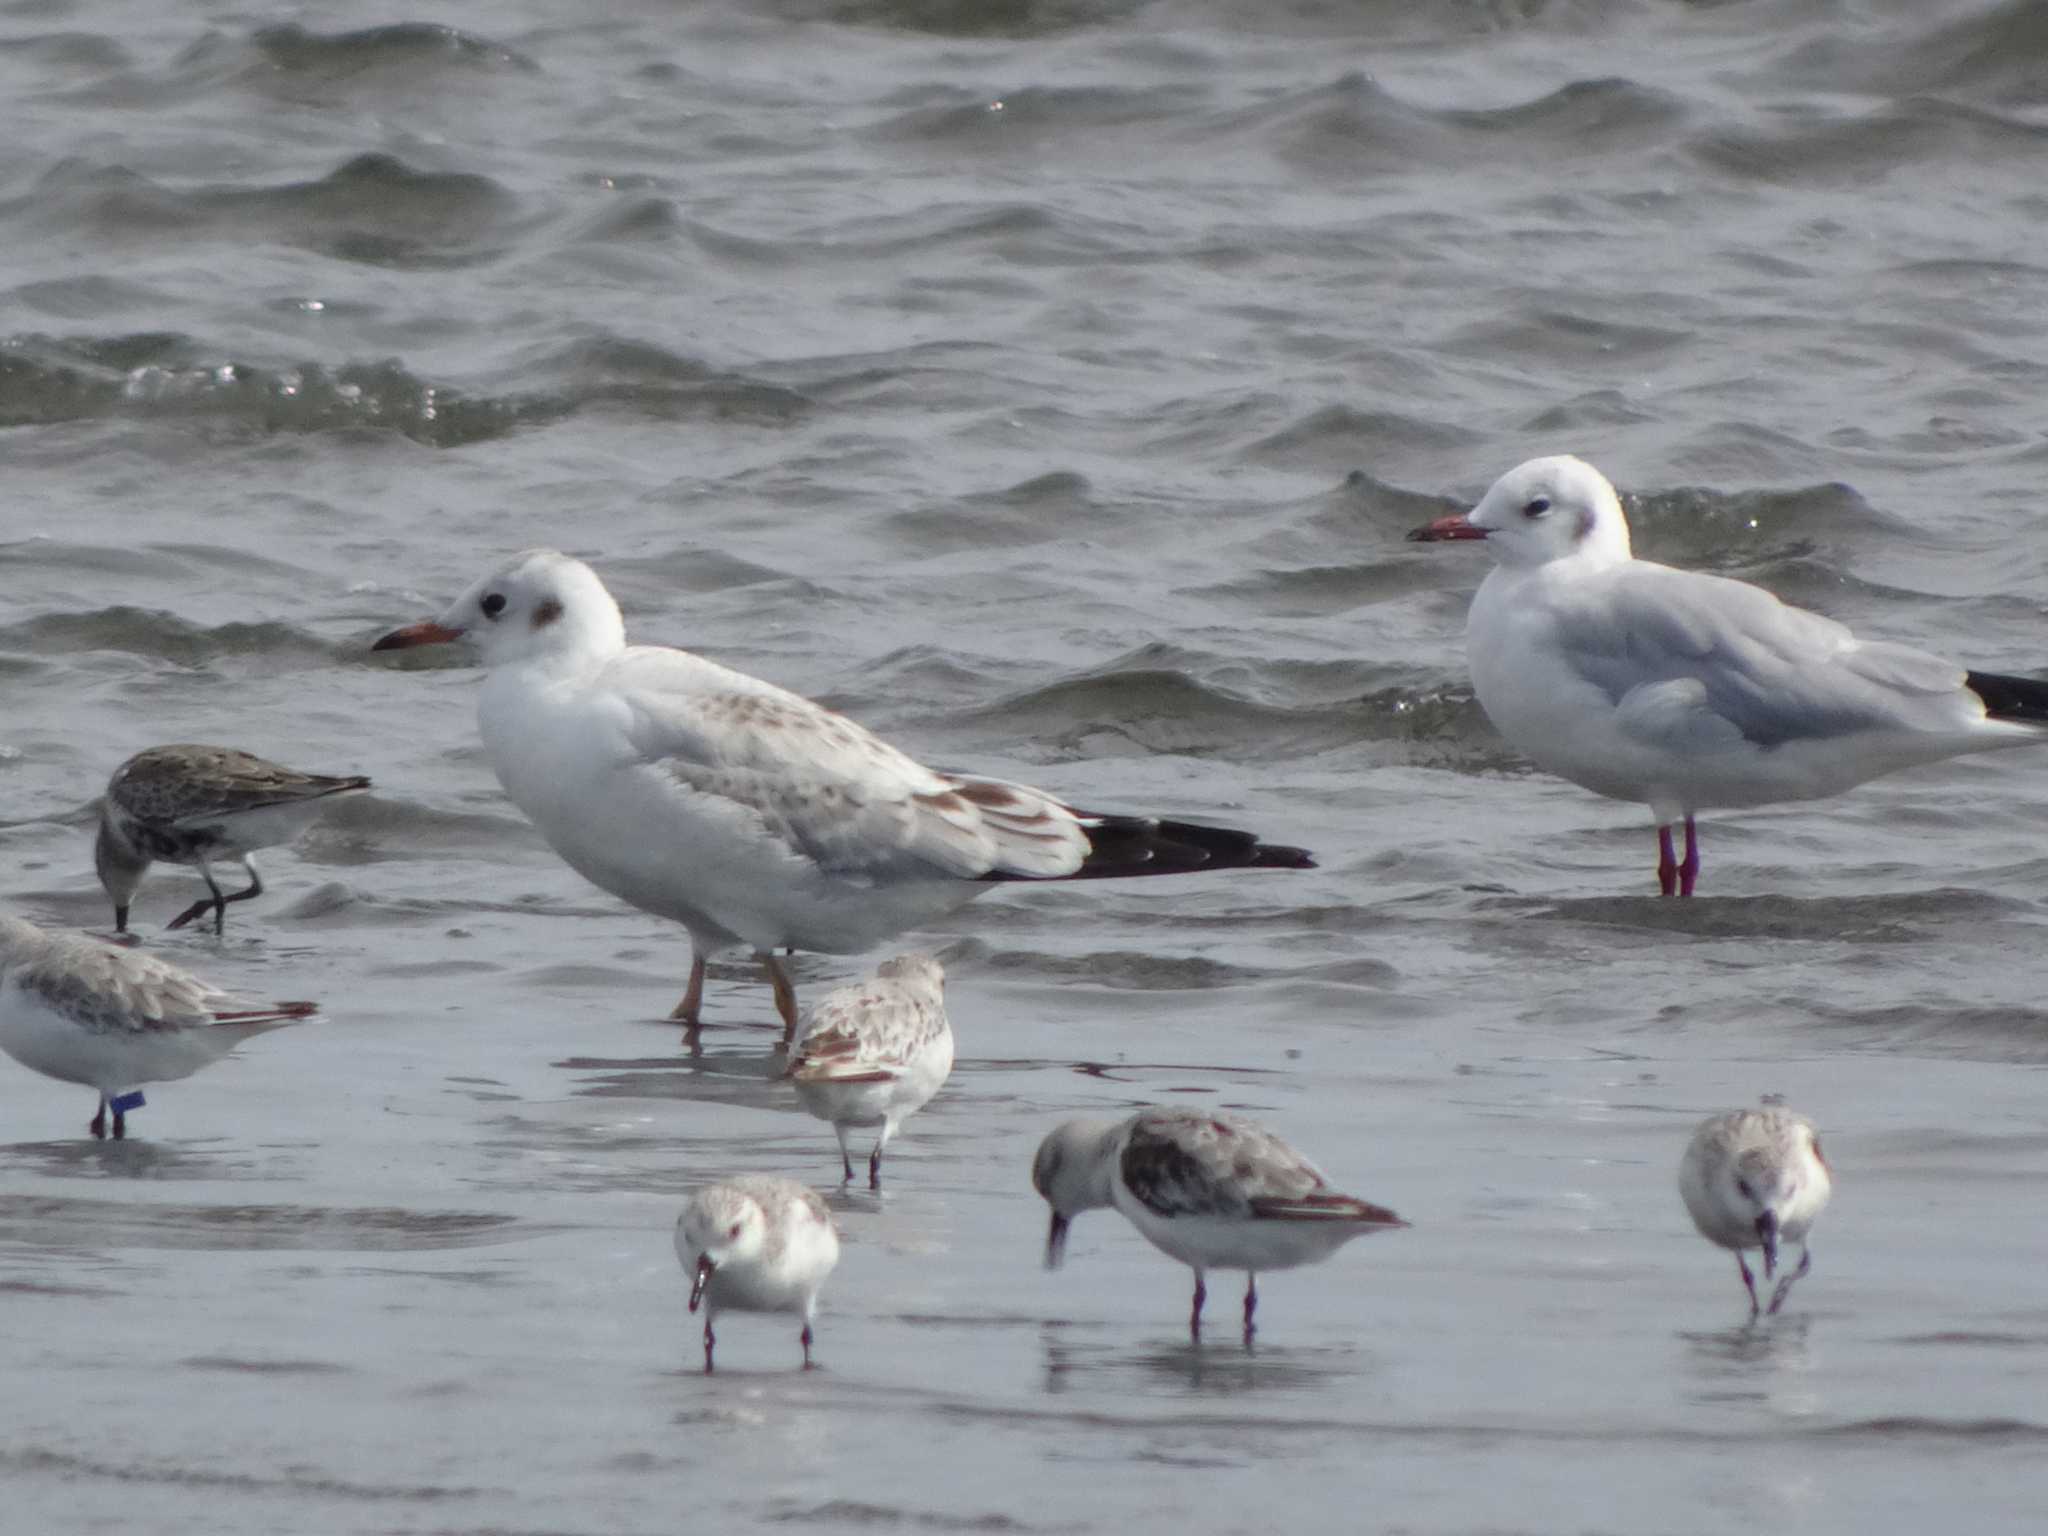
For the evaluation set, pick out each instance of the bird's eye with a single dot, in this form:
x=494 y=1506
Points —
x=733 y=1230
x=493 y=605
x=1537 y=507
x=1742 y=1187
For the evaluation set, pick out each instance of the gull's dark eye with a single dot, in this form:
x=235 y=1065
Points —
x=494 y=605
x=1742 y=1186
x=1537 y=507
x=734 y=1230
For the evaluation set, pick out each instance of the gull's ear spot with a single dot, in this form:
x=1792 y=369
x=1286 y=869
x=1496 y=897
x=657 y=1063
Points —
x=546 y=613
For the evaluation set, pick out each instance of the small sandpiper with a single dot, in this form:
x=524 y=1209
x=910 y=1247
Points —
x=875 y=1052
x=1753 y=1178
x=1211 y=1189
x=83 y=1011
x=756 y=1244
x=187 y=804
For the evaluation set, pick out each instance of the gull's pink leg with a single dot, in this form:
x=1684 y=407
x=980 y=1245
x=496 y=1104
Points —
x=806 y=1337
x=1667 y=864
x=686 y=1011
x=710 y=1339
x=1251 y=1305
x=785 y=995
x=98 y=1127
x=1195 y=1316
x=1689 y=871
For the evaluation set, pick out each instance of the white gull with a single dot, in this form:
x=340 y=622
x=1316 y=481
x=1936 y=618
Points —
x=757 y=1243
x=874 y=1053
x=747 y=813
x=1690 y=692
x=83 y=1011
x=1753 y=1178
x=1211 y=1189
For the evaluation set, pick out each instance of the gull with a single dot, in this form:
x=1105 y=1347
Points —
x=875 y=1052
x=1753 y=1178
x=82 y=1011
x=1211 y=1189
x=756 y=1244
x=1690 y=692
x=747 y=813
x=189 y=804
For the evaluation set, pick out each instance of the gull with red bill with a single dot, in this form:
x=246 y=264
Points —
x=745 y=812
x=1688 y=692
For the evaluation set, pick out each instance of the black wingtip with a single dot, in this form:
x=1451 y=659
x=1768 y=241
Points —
x=1125 y=846
x=2010 y=698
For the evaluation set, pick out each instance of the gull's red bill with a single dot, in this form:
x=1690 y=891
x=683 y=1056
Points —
x=1443 y=528
x=426 y=632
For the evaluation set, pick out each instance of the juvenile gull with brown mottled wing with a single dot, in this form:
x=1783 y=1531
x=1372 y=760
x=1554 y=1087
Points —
x=747 y=813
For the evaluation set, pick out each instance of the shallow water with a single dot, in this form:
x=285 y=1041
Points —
x=1048 y=384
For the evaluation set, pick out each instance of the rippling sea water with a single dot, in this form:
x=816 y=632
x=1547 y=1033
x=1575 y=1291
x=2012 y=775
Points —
x=1048 y=384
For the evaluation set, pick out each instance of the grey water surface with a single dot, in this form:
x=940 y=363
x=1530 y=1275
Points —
x=1048 y=384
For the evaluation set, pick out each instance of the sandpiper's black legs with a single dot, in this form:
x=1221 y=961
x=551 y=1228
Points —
x=1785 y=1285
x=98 y=1124
x=1749 y=1281
x=217 y=901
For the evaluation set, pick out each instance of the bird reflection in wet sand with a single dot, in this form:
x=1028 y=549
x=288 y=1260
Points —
x=1211 y=1189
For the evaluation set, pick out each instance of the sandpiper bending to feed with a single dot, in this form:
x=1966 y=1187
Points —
x=874 y=1053
x=1753 y=1178
x=756 y=1244
x=1211 y=1189
x=83 y=1011
x=1690 y=692
x=745 y=812
x=187 y=804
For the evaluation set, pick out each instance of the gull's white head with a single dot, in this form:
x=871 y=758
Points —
x=1546 y=509
x=719 y=1226
x=1072 y=1171
x=539 y=604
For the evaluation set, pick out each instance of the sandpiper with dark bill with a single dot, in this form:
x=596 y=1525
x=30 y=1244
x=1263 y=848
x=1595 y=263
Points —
x=745 y=812
x=1211 y=1189
x=84 y=1011
x=757 y=1243
x=1755 y=1178
x=190 y=804
x=873 y=1053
